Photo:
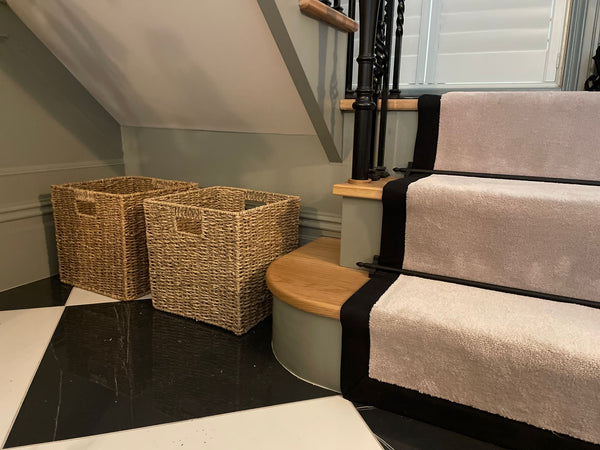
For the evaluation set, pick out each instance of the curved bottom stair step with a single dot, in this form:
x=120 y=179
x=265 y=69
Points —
x=309 y=288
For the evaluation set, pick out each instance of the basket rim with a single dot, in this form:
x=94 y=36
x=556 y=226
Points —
x=75 y=186
x=164 y=200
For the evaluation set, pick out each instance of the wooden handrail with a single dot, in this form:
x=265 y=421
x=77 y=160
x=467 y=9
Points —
x=324 y=13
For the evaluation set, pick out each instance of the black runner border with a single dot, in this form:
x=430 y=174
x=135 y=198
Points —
x=394 y=193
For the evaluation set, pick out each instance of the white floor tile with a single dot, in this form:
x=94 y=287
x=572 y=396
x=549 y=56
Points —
x=24 y=336
x=80 y=296
x=329 y=423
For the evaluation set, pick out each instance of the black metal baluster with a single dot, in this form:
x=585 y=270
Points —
x=378 y=72
x=350 y=93
x=326 y=2
x=380 y=170
x=395 y=92
x=364 y=106
x=337 y=6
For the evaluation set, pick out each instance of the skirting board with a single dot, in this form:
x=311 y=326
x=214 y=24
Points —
x=26 y=222
x=30 y=250
x=315 y=224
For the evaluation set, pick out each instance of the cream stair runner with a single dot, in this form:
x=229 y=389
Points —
x=525 y=358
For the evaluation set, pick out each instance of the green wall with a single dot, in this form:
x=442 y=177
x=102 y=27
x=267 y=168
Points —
x=51 y=131
x=278 y=163
x=273 y=162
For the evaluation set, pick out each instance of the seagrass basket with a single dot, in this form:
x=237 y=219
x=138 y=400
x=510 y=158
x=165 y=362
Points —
x=209 y=250
x=101 y=236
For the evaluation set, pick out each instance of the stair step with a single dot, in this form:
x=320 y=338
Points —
x=311 y=279
x=371 y=191
x=529 y=235
x=519 y=357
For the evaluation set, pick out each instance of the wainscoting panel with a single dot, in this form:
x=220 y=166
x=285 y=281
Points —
x=27 y=239
x=315 y=224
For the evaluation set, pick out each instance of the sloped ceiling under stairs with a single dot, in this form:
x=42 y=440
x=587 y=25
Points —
x=188 y=64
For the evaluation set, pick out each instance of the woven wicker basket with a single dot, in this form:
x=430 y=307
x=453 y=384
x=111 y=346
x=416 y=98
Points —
x=209 y=250
x=100 y=233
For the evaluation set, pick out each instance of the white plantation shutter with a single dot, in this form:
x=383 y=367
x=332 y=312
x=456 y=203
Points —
x=490 y=41
x=458 y=43
x=411 y=42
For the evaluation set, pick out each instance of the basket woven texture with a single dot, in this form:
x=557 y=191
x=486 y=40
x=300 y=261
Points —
x=209 y=253
x=100 y=233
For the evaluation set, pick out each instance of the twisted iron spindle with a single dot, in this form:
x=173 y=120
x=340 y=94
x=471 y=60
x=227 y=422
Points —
x=395 y=91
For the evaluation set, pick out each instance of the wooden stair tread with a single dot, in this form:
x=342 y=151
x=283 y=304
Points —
x=372 y=190
x=311 y=279
x=394 y=104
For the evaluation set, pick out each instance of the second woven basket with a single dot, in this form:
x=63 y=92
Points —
x=209 y=250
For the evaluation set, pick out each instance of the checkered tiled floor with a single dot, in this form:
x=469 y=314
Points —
x=80 y=370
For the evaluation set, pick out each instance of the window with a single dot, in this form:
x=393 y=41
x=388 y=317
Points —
x=458 y=44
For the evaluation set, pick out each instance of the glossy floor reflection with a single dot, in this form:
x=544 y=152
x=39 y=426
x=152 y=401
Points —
x=118 y=366
x=396 y=432
x=39 y=294
x=115 y=366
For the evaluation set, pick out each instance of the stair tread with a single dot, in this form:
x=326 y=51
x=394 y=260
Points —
x=516 y=356
x=311 y=279
x=515 y=319
x=528 y=235
x=372 y=190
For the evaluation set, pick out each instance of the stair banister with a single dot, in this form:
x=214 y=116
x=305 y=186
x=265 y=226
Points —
x=364 y=106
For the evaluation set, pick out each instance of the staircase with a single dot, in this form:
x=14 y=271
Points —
x=482 y=312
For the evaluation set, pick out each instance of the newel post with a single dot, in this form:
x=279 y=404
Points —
x=364 y=106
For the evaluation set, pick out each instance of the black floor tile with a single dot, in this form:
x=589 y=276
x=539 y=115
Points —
x=124 y=365
x=39 y=294
x=403 y=433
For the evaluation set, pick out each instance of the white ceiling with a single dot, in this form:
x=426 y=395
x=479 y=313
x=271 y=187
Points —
x=191 y=64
